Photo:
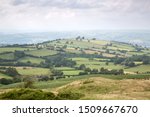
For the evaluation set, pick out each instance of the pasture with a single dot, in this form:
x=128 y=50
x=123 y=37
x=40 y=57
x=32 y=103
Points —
x=96 y=63
x=4 y=76
x=33 y=71
x=41 y=52
x=72 y=72
x=12 y=49
x=31 y=59
x=8 y=56
x=140 y=69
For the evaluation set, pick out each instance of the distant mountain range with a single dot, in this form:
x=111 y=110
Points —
x=140 y=37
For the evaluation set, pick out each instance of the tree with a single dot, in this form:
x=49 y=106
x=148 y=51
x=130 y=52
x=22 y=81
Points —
x=64 y=47
x=78 y=37
x=19 y=54
x=146 y=61
x=83 y=73
x=102 y=69
x=107 y=63
x=87 y=70
x=67 y=42
x=12 y=72
x=57 y=73
x=5 y=81
x=82 y=67
x=28 y=83
x=94 y=71
x=121 y=71
x=129 y=63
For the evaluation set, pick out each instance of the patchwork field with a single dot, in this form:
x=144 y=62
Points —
x=31 y=59
x=32 y=71
x=140 y=68
x=41 y=52
x=96 y=63
x=5 y=76
x=9 y=56
x=12 y=49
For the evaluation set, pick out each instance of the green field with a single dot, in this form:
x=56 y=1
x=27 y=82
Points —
x=100 y=42
x=41 y=52
x=135 y=53
x=123 y=46
x=12 y=49
x=140 y=69
x=96 y=63
x=69 y=71
x=9 y=56
x=33 y=71
x=73 y=72
x=31 y=59
x=5 y=76
x=64 y=68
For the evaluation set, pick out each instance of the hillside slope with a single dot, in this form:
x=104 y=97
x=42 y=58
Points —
x=102 y=88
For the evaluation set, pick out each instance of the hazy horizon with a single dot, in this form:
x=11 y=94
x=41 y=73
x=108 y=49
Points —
x=140 y=37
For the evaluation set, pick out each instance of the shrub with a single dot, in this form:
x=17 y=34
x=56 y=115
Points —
x=83 y=73
x=5 y=81
x=69 y=95
x=28 y=82
x=88 y=81
x=27 y=94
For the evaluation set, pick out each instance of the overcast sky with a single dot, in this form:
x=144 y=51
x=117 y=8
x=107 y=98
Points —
x=61 y=15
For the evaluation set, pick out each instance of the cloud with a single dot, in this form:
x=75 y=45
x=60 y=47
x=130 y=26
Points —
x=79 y=14
x=88 y=4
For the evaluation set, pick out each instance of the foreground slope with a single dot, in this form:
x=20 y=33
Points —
x=102 y=88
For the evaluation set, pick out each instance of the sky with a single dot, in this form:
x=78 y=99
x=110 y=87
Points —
x=69 y=15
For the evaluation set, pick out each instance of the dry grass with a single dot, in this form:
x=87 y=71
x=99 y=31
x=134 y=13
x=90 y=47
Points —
x=101 y=88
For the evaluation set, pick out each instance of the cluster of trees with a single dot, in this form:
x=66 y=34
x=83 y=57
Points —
x=55 y=74
x=59 y=61
x=130 y=61
x=6 y=81
x=83 y=55
x=19 y=54
x=101 y=71
x=10 y=72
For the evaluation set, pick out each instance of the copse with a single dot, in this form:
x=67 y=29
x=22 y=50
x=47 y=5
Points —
x=82 y=67
x=19 y=54
x=12 y=72
x=59 y=61
x=5 y=81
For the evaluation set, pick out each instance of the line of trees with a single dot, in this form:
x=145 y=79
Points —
x=97 y=71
